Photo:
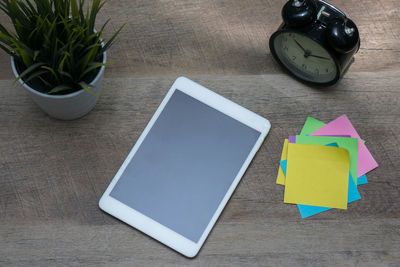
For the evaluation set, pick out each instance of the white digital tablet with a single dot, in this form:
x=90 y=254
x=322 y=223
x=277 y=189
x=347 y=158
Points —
x=184 y=167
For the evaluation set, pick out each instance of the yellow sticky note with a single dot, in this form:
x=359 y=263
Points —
x=317 y=175
x=281 y=176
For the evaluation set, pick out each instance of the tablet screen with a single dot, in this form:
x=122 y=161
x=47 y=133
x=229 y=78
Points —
x=185 y=165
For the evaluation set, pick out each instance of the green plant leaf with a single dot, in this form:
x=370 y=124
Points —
x=59 y=88
x=82 y=16
x=51 y=71
x=92 y=66
x=110 y=42
x=66 y=74
x=5 y=49
x=32 y=8
x=35 y=55
x=61 y=65
x=89 y=57
x=90 y=47
x=25 y=9
x=96 y=6
x=45 y=82
x=28 y=70
x=22 y=51
x=34 y=75
x=55 y=40
x=86 y=87
x=6 y=39
x=104 y=25
x=74 y=9
x=4 y=8
x=4 y=31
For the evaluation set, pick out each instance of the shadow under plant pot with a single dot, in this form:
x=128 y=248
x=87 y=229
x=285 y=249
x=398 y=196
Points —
x=69 y=106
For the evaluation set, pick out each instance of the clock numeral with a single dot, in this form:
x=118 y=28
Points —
x=327 y=70
x=304 y=66
x=285 y=48
x=293 y=57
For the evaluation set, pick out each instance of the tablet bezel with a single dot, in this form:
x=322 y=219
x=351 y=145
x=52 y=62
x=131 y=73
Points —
x=154 y=228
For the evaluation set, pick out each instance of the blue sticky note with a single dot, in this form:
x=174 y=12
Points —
x=332 y=144
x=284 y=166
x=307 y=210
x=362 y=180
x=353 y=195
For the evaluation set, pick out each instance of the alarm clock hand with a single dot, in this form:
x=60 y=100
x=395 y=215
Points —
x=302 y=48
x=307 y=53
x=319 y=57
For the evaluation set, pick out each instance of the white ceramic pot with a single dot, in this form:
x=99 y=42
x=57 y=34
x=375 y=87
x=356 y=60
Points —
x=70 y=106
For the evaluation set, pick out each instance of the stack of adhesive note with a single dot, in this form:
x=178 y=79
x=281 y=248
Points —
x=322 y=167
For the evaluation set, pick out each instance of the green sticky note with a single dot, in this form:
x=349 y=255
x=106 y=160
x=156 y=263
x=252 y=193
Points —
x=311 y=125
x=351 y=144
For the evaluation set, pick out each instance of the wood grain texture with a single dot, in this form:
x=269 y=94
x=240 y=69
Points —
x=52 y=174
x=198 y=37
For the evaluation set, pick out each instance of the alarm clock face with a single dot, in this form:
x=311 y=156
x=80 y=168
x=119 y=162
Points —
x=304 y=57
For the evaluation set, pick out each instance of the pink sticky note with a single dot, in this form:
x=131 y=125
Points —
x=343 y=126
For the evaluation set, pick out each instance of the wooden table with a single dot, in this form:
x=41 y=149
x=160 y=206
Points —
x=52 y=172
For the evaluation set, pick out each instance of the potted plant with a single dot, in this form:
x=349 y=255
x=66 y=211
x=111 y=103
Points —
x=56 y=53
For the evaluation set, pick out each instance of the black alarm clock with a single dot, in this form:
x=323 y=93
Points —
x=316 y=41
